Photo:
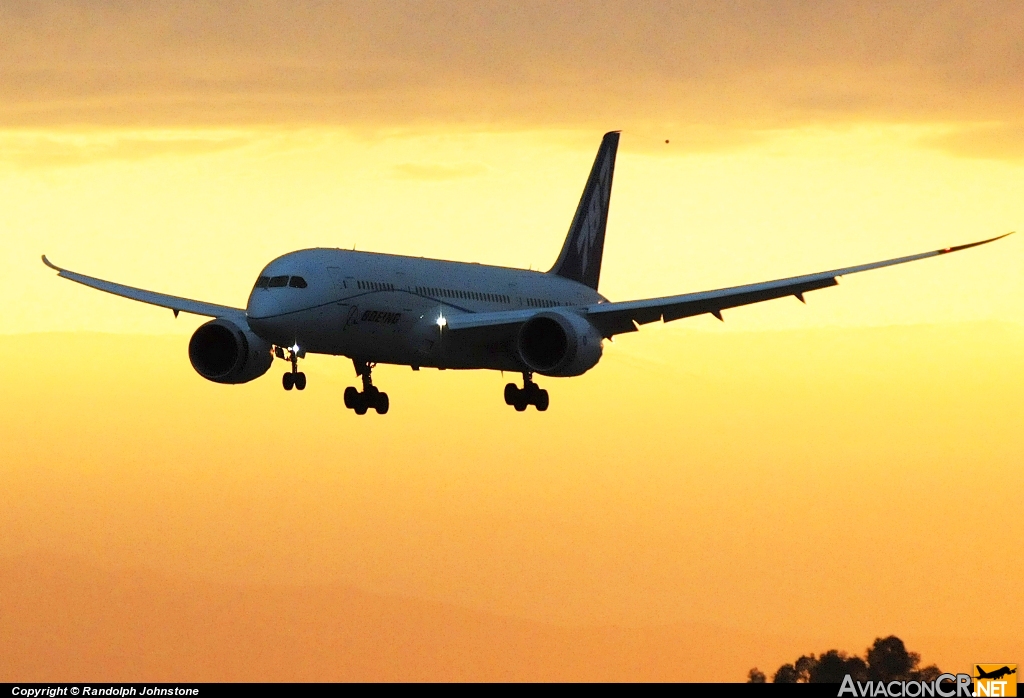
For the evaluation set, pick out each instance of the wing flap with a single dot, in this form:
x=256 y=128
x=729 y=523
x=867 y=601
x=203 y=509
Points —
x=734 y=300
x=184 y=305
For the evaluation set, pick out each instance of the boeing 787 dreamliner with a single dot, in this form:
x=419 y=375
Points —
x=382 y=308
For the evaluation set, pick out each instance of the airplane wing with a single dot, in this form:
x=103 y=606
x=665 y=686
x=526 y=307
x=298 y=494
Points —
x=616 y=318
x=174 y=303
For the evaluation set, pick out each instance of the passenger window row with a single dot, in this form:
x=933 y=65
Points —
x=541 y=303
x=375 y=286
x=465 y=295
x=281 y=282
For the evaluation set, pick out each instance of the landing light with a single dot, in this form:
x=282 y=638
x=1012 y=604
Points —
x=294 y=349
x=441 y=321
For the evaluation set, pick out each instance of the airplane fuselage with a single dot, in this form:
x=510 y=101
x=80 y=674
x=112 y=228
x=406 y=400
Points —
x=386 y=308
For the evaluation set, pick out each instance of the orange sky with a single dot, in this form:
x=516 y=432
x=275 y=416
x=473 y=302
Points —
x=710 y=498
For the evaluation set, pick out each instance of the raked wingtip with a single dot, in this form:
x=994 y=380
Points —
x=969 y=245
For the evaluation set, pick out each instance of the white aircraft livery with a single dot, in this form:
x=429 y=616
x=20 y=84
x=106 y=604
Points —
x=382 y=308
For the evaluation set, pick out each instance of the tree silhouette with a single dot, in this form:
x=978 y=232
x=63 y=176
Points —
x=886 y=660
x=889 y=659
x=787 y=673
x=804 y=666
x=832 y=666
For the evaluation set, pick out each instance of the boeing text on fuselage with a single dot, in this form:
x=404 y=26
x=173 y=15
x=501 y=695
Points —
x=381 y=308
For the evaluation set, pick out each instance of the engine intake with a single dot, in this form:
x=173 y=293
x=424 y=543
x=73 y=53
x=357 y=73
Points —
x=222 y=352
x=558 y=344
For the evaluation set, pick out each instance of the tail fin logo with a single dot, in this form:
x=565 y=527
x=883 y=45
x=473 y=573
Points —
x=580 y=259
x=595 y=220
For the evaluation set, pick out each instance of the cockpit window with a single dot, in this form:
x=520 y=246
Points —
x=278 y=281
x=262 y=282
x=297 y=282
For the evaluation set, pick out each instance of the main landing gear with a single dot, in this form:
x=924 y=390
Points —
x=296 y=378
x=529 y=394
x=360 y=402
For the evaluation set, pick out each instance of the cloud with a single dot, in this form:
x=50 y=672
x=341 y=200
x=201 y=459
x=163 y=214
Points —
x=1002 y=141
x=602 y=64
x=56 y=149
x=410 y=170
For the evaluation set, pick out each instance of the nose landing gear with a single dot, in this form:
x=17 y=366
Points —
x=361 y=402
x=529 y=394
x=296 y=378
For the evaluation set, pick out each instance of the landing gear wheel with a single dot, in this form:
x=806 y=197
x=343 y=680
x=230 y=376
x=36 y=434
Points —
x=529 y=394
x=361 y=401
x=351 y=397
x=362 y=404
x=294 y=378
x=511 y=393
x=541 y=400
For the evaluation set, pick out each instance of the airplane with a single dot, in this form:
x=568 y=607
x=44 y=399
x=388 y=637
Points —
x=380 y=308
x=996 y=674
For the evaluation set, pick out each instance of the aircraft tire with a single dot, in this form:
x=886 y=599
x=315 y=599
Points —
x=300 y=381
x=362 y=404
x=381 y=403
x=511 y=393
x=541 y=400
x=288 y=380
x=521 y=405
x=351 y=397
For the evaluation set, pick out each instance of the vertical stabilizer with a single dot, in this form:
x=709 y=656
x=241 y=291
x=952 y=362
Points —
x=580 y=259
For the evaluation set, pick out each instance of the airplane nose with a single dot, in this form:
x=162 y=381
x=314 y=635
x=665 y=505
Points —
x=262 y=304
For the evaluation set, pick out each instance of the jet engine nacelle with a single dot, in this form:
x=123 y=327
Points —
x=557 y=343
x=223 y=352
